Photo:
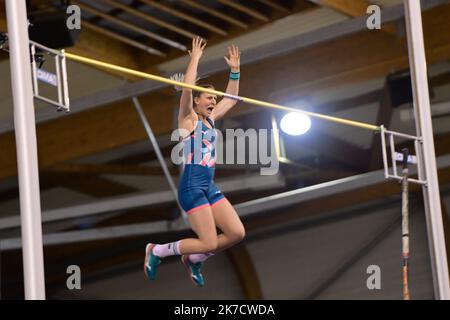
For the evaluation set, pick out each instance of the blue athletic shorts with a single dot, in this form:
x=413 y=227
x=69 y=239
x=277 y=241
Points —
x=197 y=189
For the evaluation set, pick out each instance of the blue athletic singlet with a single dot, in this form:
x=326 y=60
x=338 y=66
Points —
x=197 y=189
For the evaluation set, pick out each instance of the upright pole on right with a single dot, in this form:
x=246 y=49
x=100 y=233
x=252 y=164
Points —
x=426 y=155
x=405 y=225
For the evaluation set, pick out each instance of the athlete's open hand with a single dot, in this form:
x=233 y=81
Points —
x=234 y=58
x=198 y=44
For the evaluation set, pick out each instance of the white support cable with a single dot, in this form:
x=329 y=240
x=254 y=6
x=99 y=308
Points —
x=159 y=155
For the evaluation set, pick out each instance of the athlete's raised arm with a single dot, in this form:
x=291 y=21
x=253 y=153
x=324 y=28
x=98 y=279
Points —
x=186 y=106
x=233 y=61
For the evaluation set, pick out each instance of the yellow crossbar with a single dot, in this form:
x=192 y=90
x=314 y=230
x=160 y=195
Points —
x=220 y=93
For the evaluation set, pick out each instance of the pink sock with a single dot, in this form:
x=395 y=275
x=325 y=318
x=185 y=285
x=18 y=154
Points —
x=167 y=249
x=199 y=257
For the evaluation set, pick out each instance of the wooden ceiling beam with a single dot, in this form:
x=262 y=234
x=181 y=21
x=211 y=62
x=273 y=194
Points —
x=233 y=28
x=131 y=26
x=275 y=5
x=356 y=8
x=3 y=23
x=352 y=8
x=126 y=40
x=149 y=18
x=179 y=14
x=215 y=13
x=95 y=45
x=244 y=9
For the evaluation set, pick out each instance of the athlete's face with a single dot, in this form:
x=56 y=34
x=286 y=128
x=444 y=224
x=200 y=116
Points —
x=205 y=104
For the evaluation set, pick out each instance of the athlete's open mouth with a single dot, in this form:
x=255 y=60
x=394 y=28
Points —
x=210 y=108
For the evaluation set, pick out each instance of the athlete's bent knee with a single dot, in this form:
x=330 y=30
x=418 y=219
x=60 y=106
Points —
x=210 y=245
x=237 y=235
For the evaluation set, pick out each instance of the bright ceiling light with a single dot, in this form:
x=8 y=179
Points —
x=295 y=123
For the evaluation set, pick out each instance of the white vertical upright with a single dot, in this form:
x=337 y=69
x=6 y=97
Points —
x=424 y=128
x=27 y=165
